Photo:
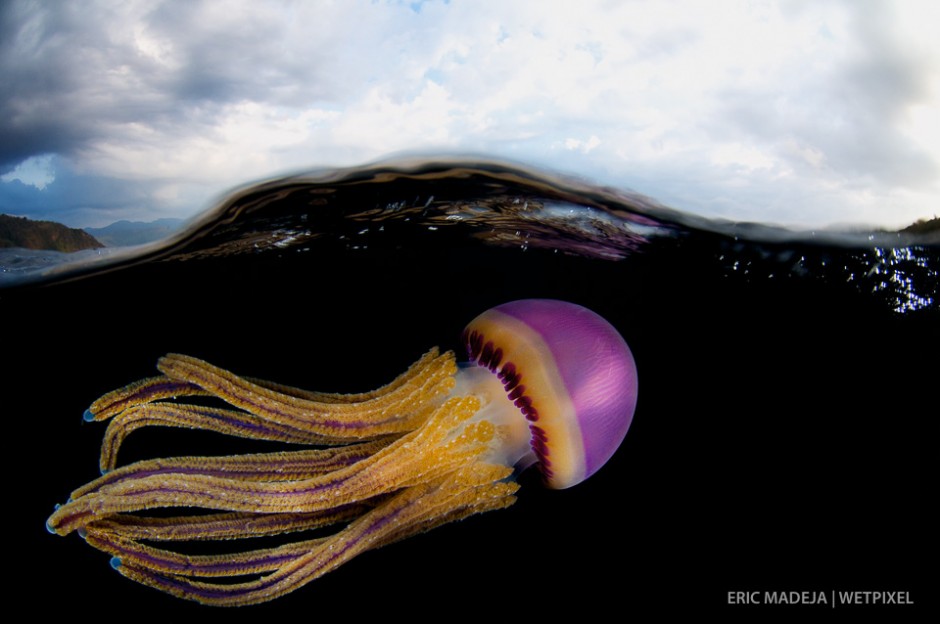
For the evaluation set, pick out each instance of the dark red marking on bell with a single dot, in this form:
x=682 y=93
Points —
x=539 y=432
x=486 y=357
x=539 y=447
x=545 y=465
x=516 y=392
x=523 y=403
x=477 y=340
x=474 y=345
x=507 y=372
x=496 y=359
x=509 y=376
x=512 y=382
x=531 y=414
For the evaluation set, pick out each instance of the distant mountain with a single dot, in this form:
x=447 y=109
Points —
x=126 y=233
x=23 y=232
x=929 y=229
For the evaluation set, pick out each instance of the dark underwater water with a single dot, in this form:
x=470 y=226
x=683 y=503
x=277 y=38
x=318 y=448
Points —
x=784 y=439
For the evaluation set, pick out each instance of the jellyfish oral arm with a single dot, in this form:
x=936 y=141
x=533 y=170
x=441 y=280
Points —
x=514 y=445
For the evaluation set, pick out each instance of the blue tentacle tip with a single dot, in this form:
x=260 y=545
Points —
x=116 y=562
x=49 y=526
x=88 y=415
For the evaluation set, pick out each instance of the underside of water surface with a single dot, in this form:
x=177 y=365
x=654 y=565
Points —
x=495 y=204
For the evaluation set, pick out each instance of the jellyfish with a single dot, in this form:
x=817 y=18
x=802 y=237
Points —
x=548 y=383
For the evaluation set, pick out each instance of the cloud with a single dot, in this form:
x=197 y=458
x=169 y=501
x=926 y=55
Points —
x=34 y=171
x=584 y=146
x=789 y=112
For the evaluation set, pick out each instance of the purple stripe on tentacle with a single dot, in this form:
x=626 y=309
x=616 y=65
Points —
x=222 y=568
x=236 y=422
x=171 y=385
x=168 y=387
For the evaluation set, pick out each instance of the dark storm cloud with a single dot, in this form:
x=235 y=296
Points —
x=68 y=76
x=73 y=73
x=36 y=78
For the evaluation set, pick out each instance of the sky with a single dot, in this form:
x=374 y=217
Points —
x=801 y=113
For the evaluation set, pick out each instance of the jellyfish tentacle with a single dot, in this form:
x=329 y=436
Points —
x=415 y=371
x=401 y=409
x=159 y=560
x=229 y=525
x=161 y=387
x=220 y=420
x=459 y=494
x=272 y=467
x=445 y=442
x=140 y=392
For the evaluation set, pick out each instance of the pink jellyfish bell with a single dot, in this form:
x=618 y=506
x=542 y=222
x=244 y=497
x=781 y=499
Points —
x=571 y=375
x=548 y=383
